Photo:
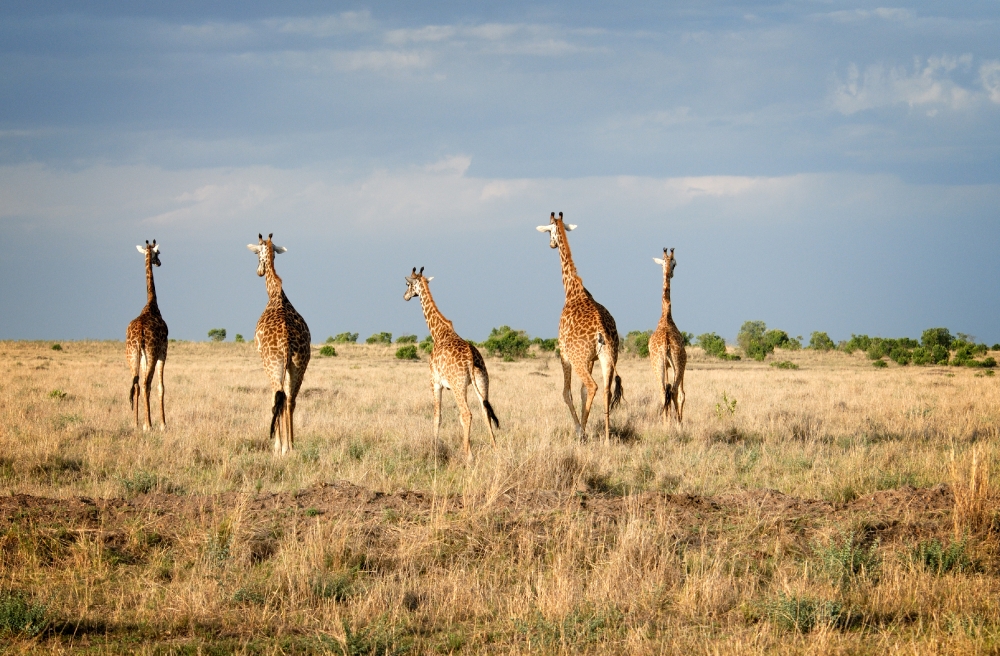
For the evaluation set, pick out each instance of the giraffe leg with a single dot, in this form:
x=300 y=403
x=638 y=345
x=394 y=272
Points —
x=588 y=380
x=286 y=417
x=277 y=407
x=132 y=354
x=437 y=388
x=159 y=388
x=148 y=369
x=568 y=394
x=660 y=370
x=481 y=386
x=607 y=375
x=679 y=397
x=462 y=400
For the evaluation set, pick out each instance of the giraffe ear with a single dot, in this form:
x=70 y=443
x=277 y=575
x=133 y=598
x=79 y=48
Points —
x=254 y=247
x=547 y=228
x=140 y=249
x=280 y=249
x=430 y=279
x=658 y=261
x=570 y=226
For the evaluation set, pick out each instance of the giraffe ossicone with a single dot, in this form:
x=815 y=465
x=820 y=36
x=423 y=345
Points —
x=146 y=346
x=283 y=341
x=455 y=363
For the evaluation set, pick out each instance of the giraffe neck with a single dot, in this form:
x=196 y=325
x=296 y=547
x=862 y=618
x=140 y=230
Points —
x=666 y=296
x=436 y=322
x=150 y=287
x=571 y=280
x=271 y=278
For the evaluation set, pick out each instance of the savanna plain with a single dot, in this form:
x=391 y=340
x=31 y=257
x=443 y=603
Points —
x=833 y=508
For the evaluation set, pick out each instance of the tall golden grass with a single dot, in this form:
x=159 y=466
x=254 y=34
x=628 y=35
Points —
x=717 y=536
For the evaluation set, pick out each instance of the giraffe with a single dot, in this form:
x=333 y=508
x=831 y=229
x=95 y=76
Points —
x=587 y=332
x=146 y=344
x=666 y=348
x=282 y=339
x=455 y=363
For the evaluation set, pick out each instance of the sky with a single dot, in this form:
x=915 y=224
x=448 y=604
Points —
x=820 y=166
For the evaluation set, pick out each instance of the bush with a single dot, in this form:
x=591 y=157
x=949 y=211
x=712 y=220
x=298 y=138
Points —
x=857 y=343
x=57 y=347
x=427 y=345
x=880 y=364
x=688 y=338
x=328 y=351
x=507 y=343
x=637 y=342
x=217 y=334
x=408 y=352
x=380 y=338
x=406 y=339
x=936 y=337
x=847 y=559
x=819 y=341
x=19 y=617
x=543 y=344
x=995 y=347
x=780 y=339
x=712 y=344
x=751 y=339
x=803 y=614
x=343 y=338
x=939 y=559
x=239 y=338
x=785 y=364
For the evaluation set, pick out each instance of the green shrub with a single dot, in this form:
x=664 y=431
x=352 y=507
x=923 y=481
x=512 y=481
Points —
x=751 y=340
x=544 y=344
x=337 y=587
x=20 y=617
x=712 y=344
x=936 y=337
x=239 y=338
x=637 y=342
x=380 y=338
x=57 y=347
x=780 y=339
x=857 y=343
x=803 y=614
x=846 y=559
x=328 y=351
x=939 y=559
x=819 y=341
x=785 y=364
x=688 y=338
x=901 y=355
x=880 y=364
x=344 y=338
x=427 y=345
x=406 y=339
x=508 y=343
x=995 y=347
x=408 y=352
x=921 y=356
x=217 y=334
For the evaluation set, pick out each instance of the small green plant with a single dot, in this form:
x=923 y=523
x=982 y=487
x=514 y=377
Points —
x=427 y=344
x=311 y=512
x=58 y=394
x=343 y=338
x=880 y=364
x=328 y=351
x=21 y=617
x=508 y=343
x=217 y=334
x=57 y=347
x=820 y=341
x=544 y=344
x=380 y=338
x=239 y=339
x=356 y=451
x=408 y=352
x=803 y=614
x=637 y=342
x=141 y=482
x=785 y=364
x=725 y=407
x=406 y=339
x=846 y=559
x=248 y=596
x=940 y=559
x=337 y=587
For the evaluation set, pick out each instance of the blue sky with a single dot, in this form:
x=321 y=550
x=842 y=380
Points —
x=817 y=165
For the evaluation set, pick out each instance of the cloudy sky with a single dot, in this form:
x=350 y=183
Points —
x=817 y=165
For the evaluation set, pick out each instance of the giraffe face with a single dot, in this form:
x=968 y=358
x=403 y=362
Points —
x=265 y=250
x=153 y=250
x=553 y=229
x=415 y=283
x=669 y=262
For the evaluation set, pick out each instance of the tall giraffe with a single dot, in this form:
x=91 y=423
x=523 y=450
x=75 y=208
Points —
x=666 y=348
x=282 y=338
x=455 y=363
x=146 y=344
x=587 y=332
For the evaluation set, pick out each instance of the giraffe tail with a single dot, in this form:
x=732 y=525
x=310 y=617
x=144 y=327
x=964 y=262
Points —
x=617 y=393
x=667 y=395
x=490 y=414
x=134 y=392
x=279 y=405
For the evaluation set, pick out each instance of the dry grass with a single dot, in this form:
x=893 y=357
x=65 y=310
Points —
x=721 y=537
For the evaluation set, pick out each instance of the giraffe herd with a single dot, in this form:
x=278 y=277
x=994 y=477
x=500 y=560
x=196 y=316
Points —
x=587 y=334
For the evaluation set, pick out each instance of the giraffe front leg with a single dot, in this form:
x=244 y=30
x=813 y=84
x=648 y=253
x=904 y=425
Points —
x=159 y=388
x=568 y=395
x=147 y=387
x=437 y=388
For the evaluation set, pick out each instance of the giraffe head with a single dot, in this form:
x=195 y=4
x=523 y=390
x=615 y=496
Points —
x=668 y=263
x=152 y=250
x=415 y=282
x=265 y=250
x=553 y=229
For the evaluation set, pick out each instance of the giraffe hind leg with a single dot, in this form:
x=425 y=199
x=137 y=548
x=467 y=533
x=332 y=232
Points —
x=148 y=369
x=276 y=412
x=568 y=394
x=159 y=388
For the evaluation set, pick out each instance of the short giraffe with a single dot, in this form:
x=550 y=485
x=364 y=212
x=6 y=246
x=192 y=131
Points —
x=146 y=345
x=282 y=338
x=666 y=349
x=587 y=332
x=455 y=363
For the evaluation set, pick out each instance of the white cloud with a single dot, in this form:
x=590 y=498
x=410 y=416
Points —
x=857 y=15
x=325 y=26
x=430 y=33
x=928 y=84
x=989 y=76
x=325 y=61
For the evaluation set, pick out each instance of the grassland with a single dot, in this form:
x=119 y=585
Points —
x=834 y=508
